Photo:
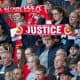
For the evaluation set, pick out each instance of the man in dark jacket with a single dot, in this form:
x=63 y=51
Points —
x=8 y=64
x=47 y=51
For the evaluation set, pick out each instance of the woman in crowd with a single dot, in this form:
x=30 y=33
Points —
x=20 y=57
x=59 y=16
x=33 y=63
x=28 y=53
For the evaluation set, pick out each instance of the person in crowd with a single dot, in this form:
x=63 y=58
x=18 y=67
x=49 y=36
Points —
x=29 y=52
x=41 y=73
x=59 y=66
x=7 y=62
x=47 y=15
x=74 y=25
x=78 y=71
x=33 y=63
x=20 y=57
x=61 y=52
x=19 y=19
x=8 y=3
x=56 y=2
x=74 y=53
x=73 y=67
x=17 y=74
x=47 y=52
x=77 y=31
x=77 y=76
x=1 y=50
x=32 y=2
x=4 y=38
x=69 y=5
x=66 y=75
x=73 y=20
x=8 y=75
x=59 y=16
x=78 y=10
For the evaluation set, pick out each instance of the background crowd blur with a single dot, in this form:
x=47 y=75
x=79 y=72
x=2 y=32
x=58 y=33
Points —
x=34 y=57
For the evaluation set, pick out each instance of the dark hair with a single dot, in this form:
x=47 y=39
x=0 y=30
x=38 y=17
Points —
x=23 y=59
x=42 y=68
x=31 y=49
x=60 y=10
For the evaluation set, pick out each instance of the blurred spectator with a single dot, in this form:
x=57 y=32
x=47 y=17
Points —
x=33 y=63
x=46 y=15
x=73 y=20
x=74 y=54
x=59 y=16
x=73 y=67
x=78 y=71
x=48 y=50
x=9 y=75
x=61 y=52
x=59 y=66
x=8 y=3
x=32 y=2
x=7 y=62
x=20 y=57
x=41 y=73
x=69 y=5
x=66 y=75
x=56 y=2
x=17 y=74
x=4 y=38
x=18 y=19
x=29 y=52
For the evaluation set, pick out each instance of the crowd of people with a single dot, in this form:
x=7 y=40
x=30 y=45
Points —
x=40 y=57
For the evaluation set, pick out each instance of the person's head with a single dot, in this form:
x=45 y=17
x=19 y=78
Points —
x=33 y=62
x=59 y=62
x=78 y=66
x=1 y=50
x=18 y=17
x=29 y=52
x=77 y=10
x=73 y=18
x=6 y=57
x=40 y=73
x=8 y=75
x=73 y=65
x=66 y=75
x=19 y=53
x=74 y=50
x=8 y=3
x=58 y=13
x=30 y=2
x=20 y=56
x=48 y=5
x=48 y=41
x=61 y=52
x=17 y=74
